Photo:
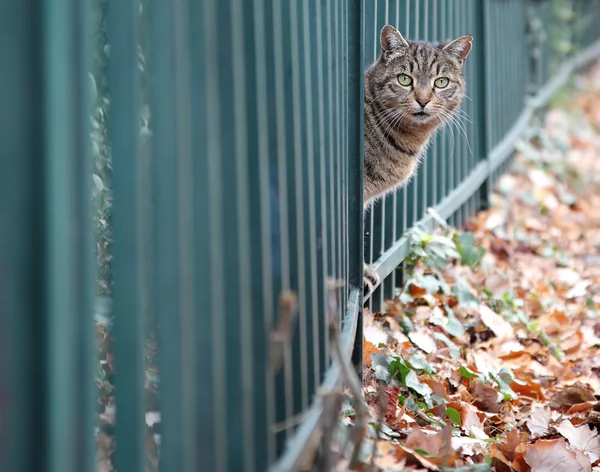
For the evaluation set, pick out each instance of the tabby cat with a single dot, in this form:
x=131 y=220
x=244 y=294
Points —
x=411 y=90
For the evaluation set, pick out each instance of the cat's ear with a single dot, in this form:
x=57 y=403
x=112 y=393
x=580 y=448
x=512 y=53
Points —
x=460 y=47
x=391 y=39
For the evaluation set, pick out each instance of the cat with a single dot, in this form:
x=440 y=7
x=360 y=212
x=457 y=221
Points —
x=412 y=89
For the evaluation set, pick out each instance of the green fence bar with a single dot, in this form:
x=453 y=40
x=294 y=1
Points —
x=129 y=235
x=68 y=260
x=22 y=251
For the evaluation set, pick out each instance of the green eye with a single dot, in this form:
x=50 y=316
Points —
x=405 y=80
x=441 y=82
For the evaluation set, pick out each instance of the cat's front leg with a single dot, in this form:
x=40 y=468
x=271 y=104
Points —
x=370 y=279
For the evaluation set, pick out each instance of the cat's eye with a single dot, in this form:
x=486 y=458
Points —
x=441 y=82
x=405 y=80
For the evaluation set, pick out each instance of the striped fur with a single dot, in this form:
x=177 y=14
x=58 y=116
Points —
x=395 y=137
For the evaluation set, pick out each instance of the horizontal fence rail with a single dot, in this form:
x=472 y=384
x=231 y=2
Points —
x=224 y=213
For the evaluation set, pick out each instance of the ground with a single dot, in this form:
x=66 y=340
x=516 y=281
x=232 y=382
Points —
x=490 y=355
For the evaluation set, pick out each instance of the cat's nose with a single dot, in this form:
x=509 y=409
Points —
x=422 y=101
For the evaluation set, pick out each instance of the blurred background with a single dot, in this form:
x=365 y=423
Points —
x=183 y=229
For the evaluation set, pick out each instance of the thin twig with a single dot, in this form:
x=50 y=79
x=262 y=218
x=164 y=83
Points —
x=349 y=377
x=382 y=406
x=332 y=404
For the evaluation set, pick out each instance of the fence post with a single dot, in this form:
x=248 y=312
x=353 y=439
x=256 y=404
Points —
x=355 y=166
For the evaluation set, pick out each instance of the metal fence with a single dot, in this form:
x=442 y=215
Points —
x=226 y=154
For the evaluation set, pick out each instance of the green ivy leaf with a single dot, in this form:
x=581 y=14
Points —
x=470 y=253
x=419 y=362
x=399 y=369
x=412 y=382
x=464 y=296
x=454 y=416
x=466 y=373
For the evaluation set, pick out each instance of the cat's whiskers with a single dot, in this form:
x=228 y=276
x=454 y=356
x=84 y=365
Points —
x=463 y=114
x=396 y=121
x=386 y=118
x=455 y=120
x=446 y=122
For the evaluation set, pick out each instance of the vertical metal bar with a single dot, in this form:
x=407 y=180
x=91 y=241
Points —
x=378 y=209
x=338 y=135
x=186 y=186
x=315 y=291
x=68 y=230
x=417 y=179
x=458 y=143
x=380 y=229
x=484 y=103
x=214 y=155
x=322 y=152
x=445 y=161
x=465 y=168
x=22 y=259
x=22 y=402
x=203 y=230
x=165 y=168
x=128 y=232
x=331 y=89
x=299 y=203
x=472 y=87
x=393 y=232
x=265 y=404
x=243 y=263
x=373 y=207
x=356 y=158
x=427 y=163
x=345 y=141
x=436 y=144
x=282 y=147
x=405 y=198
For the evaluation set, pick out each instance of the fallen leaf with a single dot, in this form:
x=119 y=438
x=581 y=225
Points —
x=423 y=341
x=553 y=455
x=499 y=326
x=554 y=322
x=539 y=421
x=581 y=439
x=570 y=396
x=486 y=397
x=509 y=443
x=368 y=349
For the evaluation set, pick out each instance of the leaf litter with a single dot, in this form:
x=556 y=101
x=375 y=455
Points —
x=489 y=354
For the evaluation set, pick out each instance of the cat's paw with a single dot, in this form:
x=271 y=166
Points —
x=370 y=280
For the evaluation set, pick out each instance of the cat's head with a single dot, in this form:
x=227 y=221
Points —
x=423 y=81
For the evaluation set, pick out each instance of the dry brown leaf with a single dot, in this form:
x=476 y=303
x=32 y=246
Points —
x=581 y=408
x=553 y=455
x=509 y=443
x=387 y=457
x=570 y=396
x=499 y=326
x=554 y=322
x=581 y=439
x=539 y=421
x=413 y=458
x=486 y=397
x=368 y=349
x=423 y=340
x=532 y=389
